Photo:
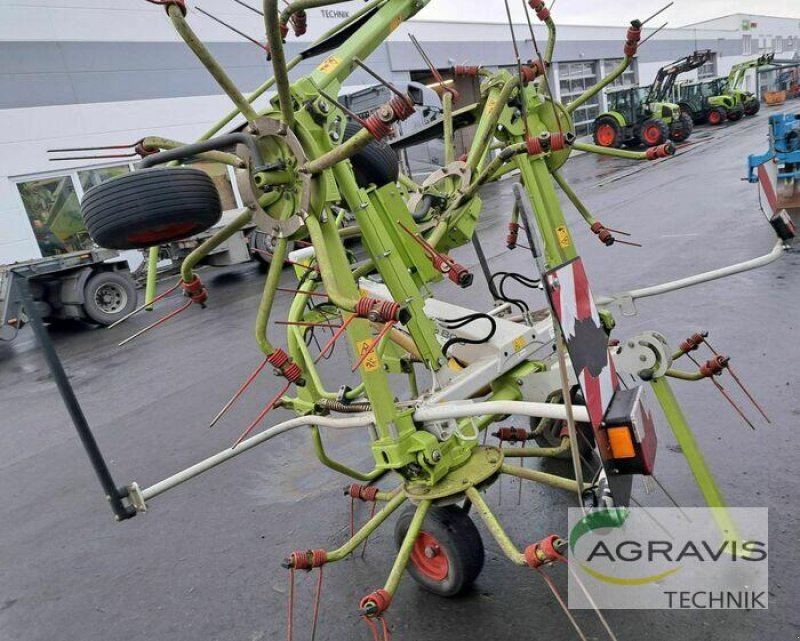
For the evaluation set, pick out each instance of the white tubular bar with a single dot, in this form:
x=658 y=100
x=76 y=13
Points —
x=359 y=420
x=690 y=281
x=489 y=408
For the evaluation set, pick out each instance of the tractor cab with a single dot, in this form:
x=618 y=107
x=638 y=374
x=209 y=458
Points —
x=708 y=101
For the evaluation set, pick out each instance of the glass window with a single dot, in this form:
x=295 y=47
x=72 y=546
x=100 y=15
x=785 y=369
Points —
x=52 y=207
x=779 y=44
x=92 y=177
x=708 y=70
x=789 y=43
x=219 y=174
x=628 y=77
x=747 y=45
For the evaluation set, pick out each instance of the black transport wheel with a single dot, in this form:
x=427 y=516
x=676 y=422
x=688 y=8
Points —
x=151 y=207
x=448 y=555
x=376 y=164
x=716 y=116
x=654 y=132
x=109 y=296
x=681 y=130
x=752 y=107
x=734 y=115
x=606 y=132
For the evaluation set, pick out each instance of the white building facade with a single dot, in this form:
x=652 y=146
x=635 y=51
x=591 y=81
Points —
x=82 y=73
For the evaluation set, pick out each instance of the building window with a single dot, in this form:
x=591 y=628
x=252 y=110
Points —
x=789 y=43
x=575 y=78
x=92 y=177
x=779 y=44
x=747 y=45
x=627 y=79
x=708 y=70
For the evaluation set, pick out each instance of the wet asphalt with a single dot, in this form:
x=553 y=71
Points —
x=203 y=563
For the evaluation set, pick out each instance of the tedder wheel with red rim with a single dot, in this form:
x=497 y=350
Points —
x=151 y=207
x=448 y=555
x=654 y=132
x=716 y=116
x=607 y=132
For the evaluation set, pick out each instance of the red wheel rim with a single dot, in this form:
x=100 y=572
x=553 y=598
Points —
x=606 y=135
x=652 y=135
x=429 y=557
x=714 y=118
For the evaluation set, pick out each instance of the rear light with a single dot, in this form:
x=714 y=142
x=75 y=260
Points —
x=630 y=443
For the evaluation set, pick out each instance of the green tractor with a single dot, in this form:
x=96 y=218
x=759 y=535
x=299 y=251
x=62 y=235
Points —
x=642 y=115
x=708 y=101
x=748 y=100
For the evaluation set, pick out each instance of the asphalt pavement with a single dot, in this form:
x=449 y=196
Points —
x=203 y=564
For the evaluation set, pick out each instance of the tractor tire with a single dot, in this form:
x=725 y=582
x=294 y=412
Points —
x=606 y=132
x=109 y=296
x=654 y=132
x=376 y=164
x=151 y=207
x=448 y=554
x=752 y=107
x=716 y=116
x=681 y=130
x=735 y=115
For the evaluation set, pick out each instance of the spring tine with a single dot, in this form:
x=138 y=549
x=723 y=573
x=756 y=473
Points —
x=303 y=324
x=724 y=392
x=617 y=231
x=589 y=598
x=652 y=34
x=97 y=157
x=232 y=28
x=549 y=581
x=297 y=291
x=144 y=306
x=247 y=6
x=347 y=110
x=160 y=321
x=98 y=148
x=669 y=496
x=740 y=384
x=372 y=345
x=381 y=80
x=263 y=413
x=239 y=392
x=626 y=242
x=660 y=11
x=335 y=337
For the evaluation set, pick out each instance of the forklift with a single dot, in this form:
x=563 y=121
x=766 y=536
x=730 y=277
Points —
x=641 y=115
x=715 y=101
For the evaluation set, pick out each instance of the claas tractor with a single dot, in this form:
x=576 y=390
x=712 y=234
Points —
x=708 y=102
x=641 y=115
x=746 y=99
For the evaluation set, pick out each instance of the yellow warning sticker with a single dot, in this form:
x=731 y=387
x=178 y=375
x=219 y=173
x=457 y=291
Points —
x=330 y=64
x=563 y=237
x=371 y=362
x=519 y=343
x=396 y=22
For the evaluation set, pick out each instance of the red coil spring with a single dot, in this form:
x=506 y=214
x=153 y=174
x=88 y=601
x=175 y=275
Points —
x=382 y=600
x=299 y=23
x=512 y=434
x=632 y=41
x=542 y=12
x=460 y=275
x=144 y=151
x=194 y=289
x=558 y=141
x=691 y=343
x=634 y=34
x=278 y=358
x=714 y=366
x=362 y=492
x=605 y=236
x=293 y=373
x=543 y=552
x=531 y=72
x=466 y=71
x=308 y=560
x=377 y=127
x=513 y=235
x=533 y=146
x=378 y=310
x=402 y=107
x=284 y=30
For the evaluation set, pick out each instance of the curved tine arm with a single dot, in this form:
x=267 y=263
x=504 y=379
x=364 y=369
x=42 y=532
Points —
x=208 y=61
x=591 y=92
x=573 y=198
x=697 y=279
x=551 y=40
x=326 y=268
x=210 y=244
x=279 y=68
x=157 y=142
x=447 y=116
x=268 y=296
x=610 y=151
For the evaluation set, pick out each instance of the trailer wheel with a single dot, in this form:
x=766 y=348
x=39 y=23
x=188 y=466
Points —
x=682 y=129
x=607 y=132
x=376 y=164
x=654 y=132
x=716 y=116
x=448 y=554
x=151 y=207
x=108 y=296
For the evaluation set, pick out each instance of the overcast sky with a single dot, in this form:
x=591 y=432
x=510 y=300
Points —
x=613 y=12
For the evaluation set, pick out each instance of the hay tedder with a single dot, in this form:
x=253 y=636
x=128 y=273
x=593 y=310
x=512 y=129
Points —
x=301 y=164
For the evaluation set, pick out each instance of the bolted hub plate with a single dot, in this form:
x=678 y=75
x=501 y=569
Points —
x=484 y=463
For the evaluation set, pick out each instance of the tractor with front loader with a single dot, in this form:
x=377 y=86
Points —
x=643 y=115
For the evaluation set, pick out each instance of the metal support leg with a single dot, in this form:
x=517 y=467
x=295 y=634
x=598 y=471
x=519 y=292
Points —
x=368 y=528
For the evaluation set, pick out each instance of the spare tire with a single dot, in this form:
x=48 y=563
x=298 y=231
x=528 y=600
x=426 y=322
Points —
x=151 y=207
x=376 y=164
